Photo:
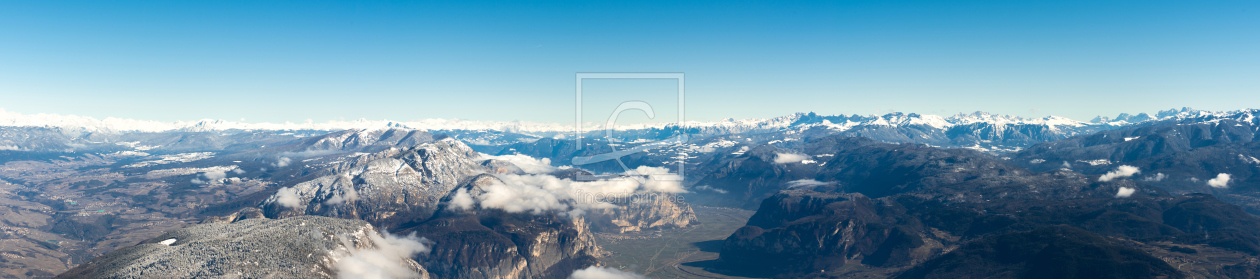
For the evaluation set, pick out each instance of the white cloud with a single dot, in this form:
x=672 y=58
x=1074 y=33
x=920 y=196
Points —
x=288 y=197
x=462 y=199
x=1122 y=171
x=197 y=181
x=805 y=183
x=520 y=197
x=1125 y=192
x=539 y=193
x=1221 y=181
x=1156 y=178
x=283 y=162
x=1066 y=165
x=386 y=261
x=238 y=171
x=599 y=272
x=526 y=163
x=784 y=158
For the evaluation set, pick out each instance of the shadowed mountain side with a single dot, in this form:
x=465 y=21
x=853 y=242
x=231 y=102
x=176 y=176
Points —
x=1052 y=252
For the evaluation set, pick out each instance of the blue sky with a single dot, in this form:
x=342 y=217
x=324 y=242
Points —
x=278 y=61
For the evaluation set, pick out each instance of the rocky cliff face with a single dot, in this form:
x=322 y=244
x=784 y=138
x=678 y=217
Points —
x=477 y=243
x=495 y=244
x=397 y=185
x=644 y=212
x=299 y=247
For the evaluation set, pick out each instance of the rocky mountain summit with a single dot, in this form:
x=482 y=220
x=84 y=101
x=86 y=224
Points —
x=395 y=186
x=444 y=191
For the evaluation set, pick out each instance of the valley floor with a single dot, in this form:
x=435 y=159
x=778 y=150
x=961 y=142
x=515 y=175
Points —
x=680 y=253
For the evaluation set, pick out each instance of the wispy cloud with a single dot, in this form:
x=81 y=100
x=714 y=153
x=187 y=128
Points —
x=1156 y=178
x=710 y=188
x=805 y=183
x=282 y=162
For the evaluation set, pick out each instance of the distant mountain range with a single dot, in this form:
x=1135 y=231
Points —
x=729 y=125
x=979 y=130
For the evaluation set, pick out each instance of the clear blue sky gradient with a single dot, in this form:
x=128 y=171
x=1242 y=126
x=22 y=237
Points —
x=278 y=61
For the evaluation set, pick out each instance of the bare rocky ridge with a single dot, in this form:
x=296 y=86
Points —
x=298 y=247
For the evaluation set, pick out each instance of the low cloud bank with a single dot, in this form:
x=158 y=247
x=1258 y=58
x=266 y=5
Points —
x=599 y=272
x=526 y=163
x=784 y=158
x=389 y=259
x=538 y=193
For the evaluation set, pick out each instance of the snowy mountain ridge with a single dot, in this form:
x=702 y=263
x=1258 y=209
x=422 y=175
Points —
x=797 y=120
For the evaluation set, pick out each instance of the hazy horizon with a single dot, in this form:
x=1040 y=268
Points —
x=6 y=114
